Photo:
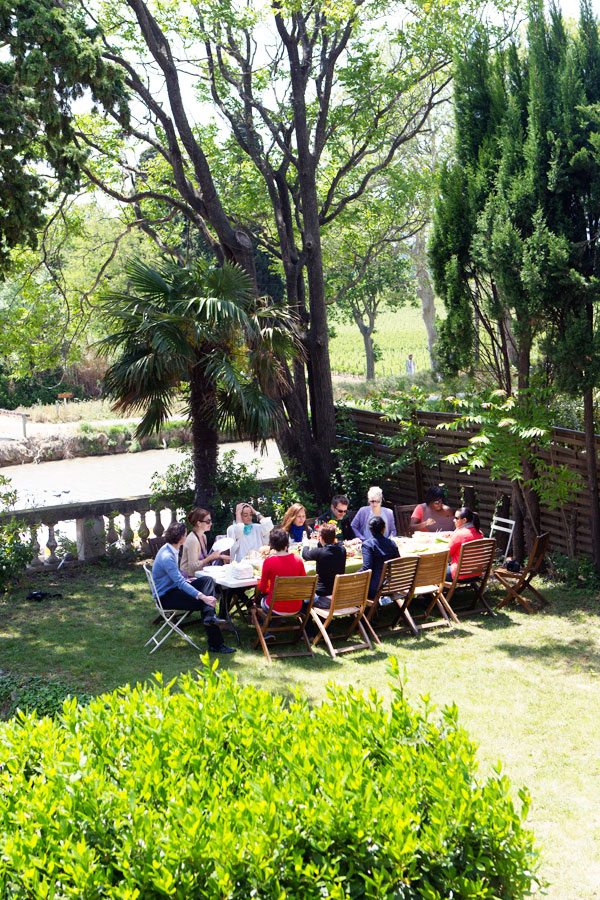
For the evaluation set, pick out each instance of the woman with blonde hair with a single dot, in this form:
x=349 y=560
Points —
x=366 y=514
x=294 y=522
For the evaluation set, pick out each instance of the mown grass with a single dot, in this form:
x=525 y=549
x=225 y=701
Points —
x=76 y=411
x=397 y=334
x=527 y=687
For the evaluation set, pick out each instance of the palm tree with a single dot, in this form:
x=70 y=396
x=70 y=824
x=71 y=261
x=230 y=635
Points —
x=201 y=329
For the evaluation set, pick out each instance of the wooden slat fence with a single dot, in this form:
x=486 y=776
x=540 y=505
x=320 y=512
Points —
x=568 y=447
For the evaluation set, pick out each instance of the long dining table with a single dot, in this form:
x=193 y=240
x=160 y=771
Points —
x=234 y=581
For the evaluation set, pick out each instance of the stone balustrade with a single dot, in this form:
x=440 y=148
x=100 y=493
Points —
x=95 y=525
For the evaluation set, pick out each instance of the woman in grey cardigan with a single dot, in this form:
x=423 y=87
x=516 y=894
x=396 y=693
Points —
x=360 y=522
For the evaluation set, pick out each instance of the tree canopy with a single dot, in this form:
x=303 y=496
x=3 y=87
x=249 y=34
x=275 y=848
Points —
x=516 y=237
x=307 y=96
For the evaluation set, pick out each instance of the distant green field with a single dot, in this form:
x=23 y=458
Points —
x=397 y=334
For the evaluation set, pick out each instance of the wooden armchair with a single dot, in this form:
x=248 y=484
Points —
x=295 y=595
x=402 y=515
x=431 y=578
x=517 y=582
x=472 y=573
x=397 y=582
x=349 y=598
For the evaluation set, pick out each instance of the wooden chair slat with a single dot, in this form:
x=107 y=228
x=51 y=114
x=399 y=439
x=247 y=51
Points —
x=299 y=589
x=402 y=516
x=473 y=571
x=397 y=582
x=348 y=598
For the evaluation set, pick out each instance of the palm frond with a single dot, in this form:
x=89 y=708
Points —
x=228 y=281
x=248 y=413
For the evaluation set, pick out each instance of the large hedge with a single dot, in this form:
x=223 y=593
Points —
x=218 y=791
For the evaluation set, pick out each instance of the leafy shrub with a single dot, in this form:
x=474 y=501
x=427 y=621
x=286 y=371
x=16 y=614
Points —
x=33 y=693
x=16 y=392
x=16 y=550
x=222 y=791
x=575 y=573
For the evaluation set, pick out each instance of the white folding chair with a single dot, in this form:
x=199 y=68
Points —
x=172 y=618
x=507 y=526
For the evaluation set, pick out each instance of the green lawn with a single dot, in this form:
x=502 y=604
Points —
x=397 y=334
x=527 y=687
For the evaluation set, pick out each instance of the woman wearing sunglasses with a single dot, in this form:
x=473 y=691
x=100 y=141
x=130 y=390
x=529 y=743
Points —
x=195 y=554
x=360 y=522
x=466 y=528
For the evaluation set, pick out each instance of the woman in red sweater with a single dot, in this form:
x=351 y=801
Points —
x=280 y=563
x=466 y=528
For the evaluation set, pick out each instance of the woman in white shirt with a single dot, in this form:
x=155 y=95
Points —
x=248 y=535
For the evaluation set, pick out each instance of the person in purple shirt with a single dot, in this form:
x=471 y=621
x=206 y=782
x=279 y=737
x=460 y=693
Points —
x=176 y=592
x=360 y=522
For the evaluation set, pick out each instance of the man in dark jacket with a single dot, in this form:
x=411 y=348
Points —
x=375 y=551
x=330 y=558
x=337 y=514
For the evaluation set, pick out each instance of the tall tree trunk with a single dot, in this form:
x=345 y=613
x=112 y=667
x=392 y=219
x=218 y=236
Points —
x=592 y=474
x=370 y=355
x=425 y=294
x=518 y=546
x=320 y=388
x=205 y=438
x=531 y=504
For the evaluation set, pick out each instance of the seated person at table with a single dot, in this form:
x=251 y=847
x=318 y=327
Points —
x=248 y=535
x=176 y=592
x=281 y=562
x=375 y=551
x=433 y=515
x=294 y=522
x=360 y=522
x=195 y=555
x=337 y=515
x=330 y=558
x=466 y=525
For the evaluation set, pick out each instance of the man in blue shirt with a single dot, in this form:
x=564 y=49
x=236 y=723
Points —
x=176 y=592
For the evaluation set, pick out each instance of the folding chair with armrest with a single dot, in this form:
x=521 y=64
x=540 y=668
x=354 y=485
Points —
x=397 y=582
x=505 y=526
x=472 y=572
x=171 y=618
x=348 y=598
x=522 y=580
x=294 y=591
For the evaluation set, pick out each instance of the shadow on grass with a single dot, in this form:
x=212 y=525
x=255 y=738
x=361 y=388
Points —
x=93 y=637
x=580 y=654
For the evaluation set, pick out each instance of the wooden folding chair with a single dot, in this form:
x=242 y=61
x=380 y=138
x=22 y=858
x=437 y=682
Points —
x=171 y=618
x=431 y=577
x=402 y=515
x=522 y=580
x=397 y=582
x=349 y=598
x=473 y=570
x=294 y=592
